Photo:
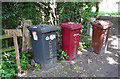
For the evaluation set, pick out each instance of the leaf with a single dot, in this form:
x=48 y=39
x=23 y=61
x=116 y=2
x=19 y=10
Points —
x=63 y=58
x=57 y=54
x=67 y=56
x=24 y=52
x=62 y=66
x=38 y=69
x=84 y=70
x=64 y=52
x=28 y=55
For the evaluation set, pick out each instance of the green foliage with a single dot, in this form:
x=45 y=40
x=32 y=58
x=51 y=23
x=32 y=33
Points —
x=62 y=55
x=101 y=14
x=14 y=13
x=84 y=43
x=110 y=14
x=80 y=46
x=9 y=66
x=63 y=67
x=38 y=66
x=79 y=12
x=59 y=40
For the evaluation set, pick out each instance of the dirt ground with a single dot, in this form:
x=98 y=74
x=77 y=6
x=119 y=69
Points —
x=89 y=64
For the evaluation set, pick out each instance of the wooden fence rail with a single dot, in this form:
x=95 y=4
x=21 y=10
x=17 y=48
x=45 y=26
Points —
x=6 y=44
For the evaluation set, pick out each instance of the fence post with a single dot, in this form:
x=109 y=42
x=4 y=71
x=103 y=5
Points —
x=17 y=55
x=15 y=33
x=26 y=44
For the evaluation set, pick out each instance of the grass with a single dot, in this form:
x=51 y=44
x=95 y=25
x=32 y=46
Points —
x=109 y=14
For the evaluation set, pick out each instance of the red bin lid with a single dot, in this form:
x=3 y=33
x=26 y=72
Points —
x=102 y=24
x=71 y=25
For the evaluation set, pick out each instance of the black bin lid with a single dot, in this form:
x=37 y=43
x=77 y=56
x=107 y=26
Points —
x=43 y=28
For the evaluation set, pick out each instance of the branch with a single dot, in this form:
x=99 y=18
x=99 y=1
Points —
x=42 y=5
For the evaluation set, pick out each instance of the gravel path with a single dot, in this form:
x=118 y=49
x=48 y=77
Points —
x=88 y=64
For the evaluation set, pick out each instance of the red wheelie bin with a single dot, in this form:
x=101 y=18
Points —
x=70 y=38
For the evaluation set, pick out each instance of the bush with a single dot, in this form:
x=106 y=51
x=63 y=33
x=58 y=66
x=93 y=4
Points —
x=84 y=43
x=9 y=66
x=62 y=55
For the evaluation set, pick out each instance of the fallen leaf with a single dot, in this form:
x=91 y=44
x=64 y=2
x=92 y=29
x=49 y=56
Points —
x=62 y=66
x=74 y=67
x=77 y=71
x=65 y=72
x=84 y=70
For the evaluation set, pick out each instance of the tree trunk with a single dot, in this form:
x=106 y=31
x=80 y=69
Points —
x=26 y=45
x=43 y=18
x=97 y=9
x=52 y=12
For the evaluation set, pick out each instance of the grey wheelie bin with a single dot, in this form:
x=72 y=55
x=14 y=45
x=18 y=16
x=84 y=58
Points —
x=44 y=47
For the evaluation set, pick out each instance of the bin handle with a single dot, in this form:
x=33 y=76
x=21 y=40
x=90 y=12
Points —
x=70 y=22
x=28 y=27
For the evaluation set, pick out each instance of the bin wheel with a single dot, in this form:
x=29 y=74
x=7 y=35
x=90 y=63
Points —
x=91 y=49
x=32 y=63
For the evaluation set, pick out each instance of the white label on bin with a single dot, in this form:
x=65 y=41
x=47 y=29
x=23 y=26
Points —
x=104 y=40
x=76 y=34
x=70 y=22
x=34 y=27
x=52 y=37
x=35 y=37
x=47 y=38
